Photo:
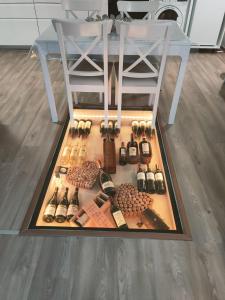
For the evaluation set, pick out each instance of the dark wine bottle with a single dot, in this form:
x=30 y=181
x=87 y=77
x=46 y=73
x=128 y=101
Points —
x=81 y=126
x=134 y=126
x=73 y=129
x=142 y=127
x=148 y=129
x=73 y=206
x=116 y=129
x=61 y=211
x=87 y=128
x=118 y=217
x=145 y=151
x=102 y=128
x=122 y=155
x=159 y=181
x=50 y=209
x=110 y=127
x=106 y=182
x=140 y=179
x=150 y=181
x=82 y=219
x=132 y=150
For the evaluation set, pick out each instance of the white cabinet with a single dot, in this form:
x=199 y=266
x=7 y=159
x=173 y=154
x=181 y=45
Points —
x=17 y=32
x=14 y=11
x=206 y=22
x=49 y=11
x=21 y=21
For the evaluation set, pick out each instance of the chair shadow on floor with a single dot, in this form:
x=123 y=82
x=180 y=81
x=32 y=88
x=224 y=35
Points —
x=222 y=90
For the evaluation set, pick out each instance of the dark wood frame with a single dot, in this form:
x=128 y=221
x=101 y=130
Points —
x=185 y=235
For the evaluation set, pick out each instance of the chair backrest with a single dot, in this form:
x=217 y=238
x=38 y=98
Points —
x=93 y=7
x=148 y=7
x=154 y=35
x=72 y=33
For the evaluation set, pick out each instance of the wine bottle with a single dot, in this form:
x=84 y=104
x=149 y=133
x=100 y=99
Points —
x=74 y=154
x=106 y=182
x=73 y=129
x=102 y=128
x=110 y=127
x=73 y=206
x=134 y=126
x=87 y=129
x=81 y=126
x=151 y=217
x=122 y=155
x=61 y=211
x=116 y=129
x=132 y=150
x=142 y=127
x=118 y=217
x=150 y=181
x=82 y=219
x=50 y=209
x=148 y=129
x=140 y=179
x=65 y=157
x=145 y=151
x=82 y=152
x=159 y=181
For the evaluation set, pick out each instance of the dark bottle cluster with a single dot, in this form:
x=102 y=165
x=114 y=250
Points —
x=142 y=127
x=60 y=210
x=80 y=128
x=135 y=153
x=111 y=129
x=150 y=181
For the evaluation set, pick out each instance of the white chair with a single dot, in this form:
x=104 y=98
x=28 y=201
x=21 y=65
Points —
x=148 y=7
x=129 y=78
x=93 y=7
x=80 y=9
x=84 y=74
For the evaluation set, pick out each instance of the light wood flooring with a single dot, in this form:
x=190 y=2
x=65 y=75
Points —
x=62 y=268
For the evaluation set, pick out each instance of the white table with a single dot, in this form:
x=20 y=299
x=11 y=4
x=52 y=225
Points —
x=47 y=44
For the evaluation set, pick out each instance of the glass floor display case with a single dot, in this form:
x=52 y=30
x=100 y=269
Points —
x=102 y=181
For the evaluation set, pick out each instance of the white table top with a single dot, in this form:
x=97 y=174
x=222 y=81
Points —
x=177 y=38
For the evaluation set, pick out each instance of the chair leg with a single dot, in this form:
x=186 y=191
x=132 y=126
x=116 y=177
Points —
x=70 y=104
x=110 y=90
x=75 y=97
x=151 y=99
x=101 y=97
x=116 y=91
x=119 y=107
x=155 y=108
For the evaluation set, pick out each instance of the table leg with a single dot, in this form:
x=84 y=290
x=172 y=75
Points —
x=180 y=78
x=48 y=85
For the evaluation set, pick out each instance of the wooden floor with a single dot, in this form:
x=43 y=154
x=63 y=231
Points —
x=100 y=268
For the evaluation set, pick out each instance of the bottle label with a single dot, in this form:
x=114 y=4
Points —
x=141 y=176
x=150 y=176
x=107 y=184
x=61 y=210
x=123 y=152
x=145 y=148
x=66 y=152
x=132 y=151
x=50 y=210
x=83 y=219
x=159 y=176
x=119 y=219
x=72 y=210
